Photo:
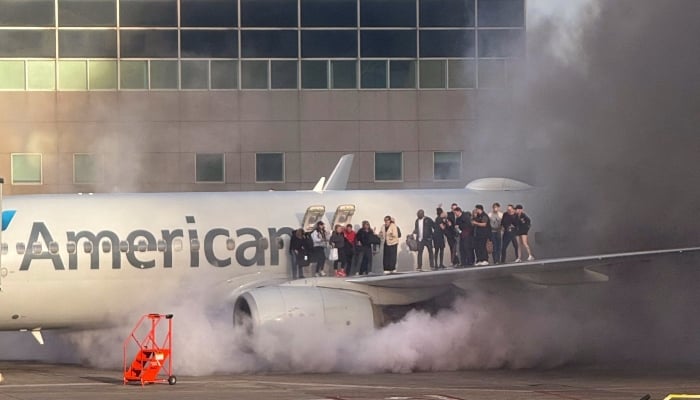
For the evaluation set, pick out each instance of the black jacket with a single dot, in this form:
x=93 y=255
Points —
x=450 y=230
x=337 y=240
x=510 y=223
x=366 y=238
x=439 y=233
x=485 y=231
x=428 y=227
x=296 y=244
x=465 y=225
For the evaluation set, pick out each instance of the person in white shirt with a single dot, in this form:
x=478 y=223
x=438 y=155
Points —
x=320 y=239
x=423 y=230
x=495 y=218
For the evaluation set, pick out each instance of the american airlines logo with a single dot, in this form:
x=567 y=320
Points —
x=140 y=247
x=7 y=216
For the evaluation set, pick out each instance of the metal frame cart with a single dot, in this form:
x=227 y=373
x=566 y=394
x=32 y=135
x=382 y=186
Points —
x=153 y=362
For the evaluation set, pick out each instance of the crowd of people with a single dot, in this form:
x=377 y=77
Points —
x=471 y=237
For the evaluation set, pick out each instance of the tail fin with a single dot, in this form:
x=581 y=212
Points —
x=341 y=174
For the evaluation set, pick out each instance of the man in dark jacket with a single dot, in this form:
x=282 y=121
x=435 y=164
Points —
x=297 y=250
x=510 y=224
x=482 y=232
x=451 y=235
x=466 y=237
x=423 y=230
x=364 y=240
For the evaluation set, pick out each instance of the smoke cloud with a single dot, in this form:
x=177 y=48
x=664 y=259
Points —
x=608 y=125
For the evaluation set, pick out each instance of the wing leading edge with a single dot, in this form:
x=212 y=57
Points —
x=550 y=272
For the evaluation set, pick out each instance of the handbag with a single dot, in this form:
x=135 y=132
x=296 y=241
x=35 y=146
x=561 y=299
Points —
x=333 y=255
x=412 y=243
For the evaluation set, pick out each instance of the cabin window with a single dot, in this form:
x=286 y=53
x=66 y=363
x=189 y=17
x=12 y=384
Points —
x=71 y=247
x=177 y=245
x=106 y=246
x=123 y=246
x=142 y=246
x=87 y=247
x=162 y=245
x=194 y=245
x=36 y=248
x=4 y=248
x=230 y=244
x=21 y=248
x=53 y=248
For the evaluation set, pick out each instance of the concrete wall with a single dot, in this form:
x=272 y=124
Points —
x=148 y=140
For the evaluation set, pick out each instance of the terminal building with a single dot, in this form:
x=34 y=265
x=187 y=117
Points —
x=221 y=95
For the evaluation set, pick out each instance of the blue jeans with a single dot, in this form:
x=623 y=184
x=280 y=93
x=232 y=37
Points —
x=497 y=241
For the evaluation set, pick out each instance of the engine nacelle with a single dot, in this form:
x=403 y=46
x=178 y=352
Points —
x=335 y=308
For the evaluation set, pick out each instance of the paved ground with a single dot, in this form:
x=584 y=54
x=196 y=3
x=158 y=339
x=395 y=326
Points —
x=45 y=381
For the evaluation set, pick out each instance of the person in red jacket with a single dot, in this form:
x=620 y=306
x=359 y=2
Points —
x=349 y=248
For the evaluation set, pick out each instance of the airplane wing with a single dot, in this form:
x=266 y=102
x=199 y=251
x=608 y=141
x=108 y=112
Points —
x=550 y=272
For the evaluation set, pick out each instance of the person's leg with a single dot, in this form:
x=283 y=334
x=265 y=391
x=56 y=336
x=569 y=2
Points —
x=470 y=250
x=526 y=245
x=431 y=255
x=451 y=244
x=496 y=239
x=386 y=258
x=463 y=251
x=516 y=246
x=421 y=246
x=393 y=251
x=293 y=258
x=504 y=247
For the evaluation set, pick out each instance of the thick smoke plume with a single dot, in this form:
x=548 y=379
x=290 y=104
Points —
x=609 y=125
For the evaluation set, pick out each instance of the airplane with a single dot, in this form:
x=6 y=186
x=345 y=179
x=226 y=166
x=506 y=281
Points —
x=83 y=261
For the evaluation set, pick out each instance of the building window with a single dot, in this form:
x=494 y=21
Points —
x=269 y=167
x=93 y=43
x=323 y=13
x=254 y=74
x=432 y=74
x=194 y=75
x=492 y=74
x=86 y=168
x=11 y=75
x=446 y=13
x=103 y=75
x=26 y=169
x=134 y=75
x=343 y=74
x=329 y=43
x=224 y=74
x=373 y=74
x=402 y=74
x=283 y=74
x=209 y=13
x=388 y=43
x=87 y=13
x=388 y=166
x=314 y=74
x=462 y=74
x=148 y=13
x=72 y=75
x=41 y=75
x=209 y=168
x=502 y=13
x=447 y=165
x=21 y=43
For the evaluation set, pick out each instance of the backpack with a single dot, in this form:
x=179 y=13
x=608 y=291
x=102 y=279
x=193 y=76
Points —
x=398 y=230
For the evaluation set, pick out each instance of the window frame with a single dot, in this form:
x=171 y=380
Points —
x=41 y=169
x=401 y=179
x=284 y=166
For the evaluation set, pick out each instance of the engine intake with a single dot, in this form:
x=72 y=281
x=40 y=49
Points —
x=334 y=308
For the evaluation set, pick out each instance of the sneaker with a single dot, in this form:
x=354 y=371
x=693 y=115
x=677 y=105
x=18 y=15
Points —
x=419 y=269
x=317 y=275
x=387 y=272
x=517 y=260
x=323 y=273
x=531 y=258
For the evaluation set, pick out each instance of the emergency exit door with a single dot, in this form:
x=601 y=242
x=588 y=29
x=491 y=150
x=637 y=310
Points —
x=312 y=216
x=343 y=215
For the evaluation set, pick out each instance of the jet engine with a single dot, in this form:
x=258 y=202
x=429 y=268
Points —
x=334 y=308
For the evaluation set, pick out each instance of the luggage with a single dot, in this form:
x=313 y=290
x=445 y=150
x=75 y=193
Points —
x=333 y=255
x=304 y=259
x=412 y=243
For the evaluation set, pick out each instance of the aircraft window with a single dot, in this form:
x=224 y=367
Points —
x=161 y=245
x=194 y=245
x=71 y=247
x=142 y=246
x=280 y=243
x=36 y=248
x=21 y=248
x=123 y=246
x=106 y=246
x=87 y=247
x=53 y=248
x=230 y=244
x=264 y=243
x=177 y=244
x=4 y=248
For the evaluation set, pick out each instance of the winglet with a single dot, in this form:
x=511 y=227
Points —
x=319 y=185
x=341 y=174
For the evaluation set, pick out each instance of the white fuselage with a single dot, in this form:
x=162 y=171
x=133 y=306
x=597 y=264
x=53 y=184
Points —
x=87 y=258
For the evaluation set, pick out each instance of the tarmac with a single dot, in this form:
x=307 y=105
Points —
x=29 y=380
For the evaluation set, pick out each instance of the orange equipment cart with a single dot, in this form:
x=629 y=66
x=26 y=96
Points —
x=153 y=362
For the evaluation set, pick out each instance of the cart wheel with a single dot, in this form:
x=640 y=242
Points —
x=172 y=380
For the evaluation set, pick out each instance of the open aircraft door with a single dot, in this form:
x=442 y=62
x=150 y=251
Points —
x=312 y=216
x=343 y=215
